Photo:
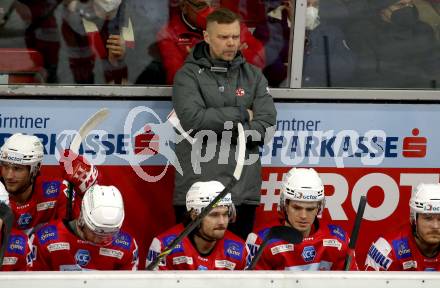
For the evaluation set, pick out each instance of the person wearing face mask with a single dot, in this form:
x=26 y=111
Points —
x=396 y=49
x=185 y=30
x=322 y=67
x=97 y=29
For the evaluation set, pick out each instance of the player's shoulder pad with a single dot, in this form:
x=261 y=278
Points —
x=123 y=240
x=338 y=232
x=47 y=233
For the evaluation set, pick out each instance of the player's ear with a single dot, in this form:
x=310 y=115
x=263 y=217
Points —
x=206 y=36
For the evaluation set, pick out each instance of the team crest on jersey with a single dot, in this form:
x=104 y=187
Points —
x=82 y=257
x=51 y=189
x=308 y=253
x=167 y=241
x=24 y=221
x=401 y=248
x=47 y=233
x=337 y=231
x=122 y=240
x=233 y=249
x=17 y=244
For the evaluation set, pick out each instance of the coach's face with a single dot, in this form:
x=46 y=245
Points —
x=223 y=40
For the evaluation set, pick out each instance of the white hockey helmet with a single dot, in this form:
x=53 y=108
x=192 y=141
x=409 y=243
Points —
x=425 y=200
x=23 y=150
x=200 y=194
x=302 y=184
x=102 y=210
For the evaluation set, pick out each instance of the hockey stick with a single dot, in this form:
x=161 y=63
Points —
x=355 y=232
x=196 y=222
x=286 y=233
x=7 y=218
x=83 y=131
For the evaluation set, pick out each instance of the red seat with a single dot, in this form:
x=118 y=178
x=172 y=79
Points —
x=21 y=66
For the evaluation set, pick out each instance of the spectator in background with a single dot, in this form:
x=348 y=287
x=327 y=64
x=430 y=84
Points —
x=185 y=29
x=429 y=13
x=416 y=245
x=42 y=32
x=97 y=29
x=328 y=60
x=396 y=49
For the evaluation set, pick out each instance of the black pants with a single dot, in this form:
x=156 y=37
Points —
x=241 y=227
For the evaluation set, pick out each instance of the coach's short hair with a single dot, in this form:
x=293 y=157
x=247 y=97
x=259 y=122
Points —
x=222 y=16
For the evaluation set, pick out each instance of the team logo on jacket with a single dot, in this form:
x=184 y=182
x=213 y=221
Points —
x=308 y=253
x=24 y=221
x=233 y=249
x=401 y=248
x=17 y=244
x=240 y=92
x=47 y=233
x=51 y=189
x=122 y=240
x=82 y=257
x=337 y=231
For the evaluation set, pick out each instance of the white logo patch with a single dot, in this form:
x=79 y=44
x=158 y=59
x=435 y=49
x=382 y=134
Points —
x=332 y=243
x=182 y=260
x=58 y=246
x=10 y=260
x=409 y=264
x=281 y=248
x=225 y=264
x=45 y=205
x=111 y=253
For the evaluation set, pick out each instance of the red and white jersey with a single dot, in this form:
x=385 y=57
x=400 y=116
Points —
x=397 y=251
x=55 y=247
x=18 y=255
x=47 y=202
x=228 y=253
x=325 y=249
